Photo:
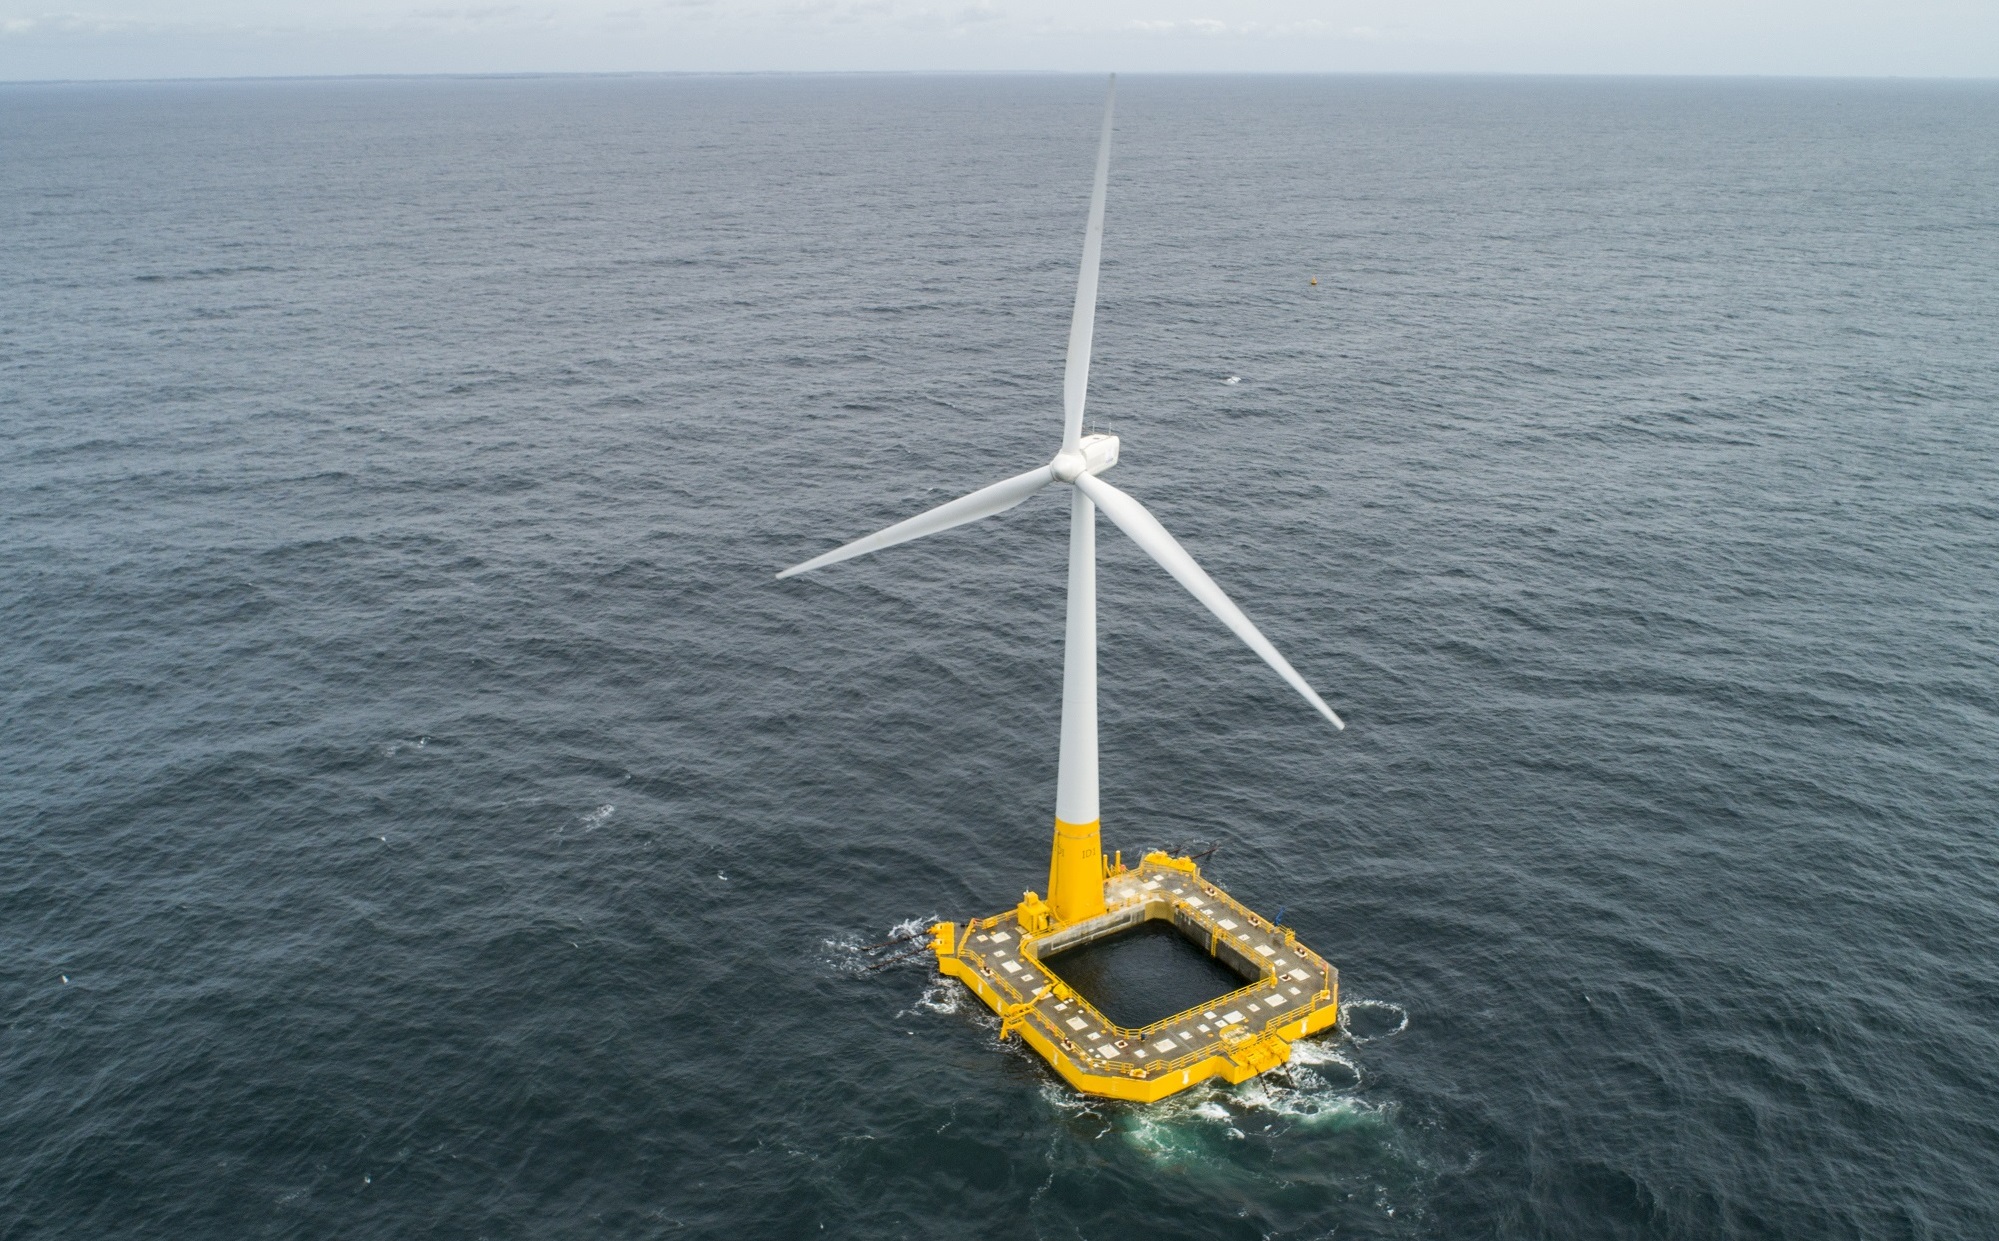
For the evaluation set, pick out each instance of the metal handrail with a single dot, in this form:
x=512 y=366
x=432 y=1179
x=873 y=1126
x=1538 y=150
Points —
x=1207 y=920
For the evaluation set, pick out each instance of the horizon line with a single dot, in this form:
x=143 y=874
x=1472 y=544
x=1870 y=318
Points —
x=509 y=74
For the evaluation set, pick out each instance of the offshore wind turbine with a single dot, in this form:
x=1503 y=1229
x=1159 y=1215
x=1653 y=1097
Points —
x=1079 y=875
x=1074 y=888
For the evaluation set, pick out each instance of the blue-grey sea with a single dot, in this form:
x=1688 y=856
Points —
x=423 y=815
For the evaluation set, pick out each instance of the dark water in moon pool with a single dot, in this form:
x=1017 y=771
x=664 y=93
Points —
x=1144 y=975
x=446 y=827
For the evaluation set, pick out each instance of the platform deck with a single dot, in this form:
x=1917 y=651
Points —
x=1243 y=1033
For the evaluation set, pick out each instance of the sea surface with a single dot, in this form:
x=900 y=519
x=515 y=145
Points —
x=425 y=816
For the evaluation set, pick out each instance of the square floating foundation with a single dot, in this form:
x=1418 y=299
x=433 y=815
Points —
x=1045 y=982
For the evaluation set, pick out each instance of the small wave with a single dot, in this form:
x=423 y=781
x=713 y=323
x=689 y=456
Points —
x=940 y=997
x=1211 y=1110
x=1305 y=1098
x=1197 y=1124
x=202 y=273
x=597 y=817
x=1318 y=1089
x=1059 y=1096
x=1364 y=1021
x=1164 y=1140
x=1183 y=1126
x=1325 y=1062
x=1080 y=1110
x=856 y=953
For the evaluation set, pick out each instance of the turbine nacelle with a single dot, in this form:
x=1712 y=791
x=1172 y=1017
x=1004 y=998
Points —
x=1093 y=454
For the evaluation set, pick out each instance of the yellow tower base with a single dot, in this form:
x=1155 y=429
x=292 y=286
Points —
x=1242 y=1034
x=1076 y=871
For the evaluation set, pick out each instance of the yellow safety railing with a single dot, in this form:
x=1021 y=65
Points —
x=1207 y=920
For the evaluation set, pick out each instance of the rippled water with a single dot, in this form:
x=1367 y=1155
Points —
x=426 y=816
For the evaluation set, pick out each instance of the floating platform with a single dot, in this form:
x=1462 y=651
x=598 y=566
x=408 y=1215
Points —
x=1244 y=1033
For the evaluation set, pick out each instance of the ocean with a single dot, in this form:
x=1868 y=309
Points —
x=426 y=816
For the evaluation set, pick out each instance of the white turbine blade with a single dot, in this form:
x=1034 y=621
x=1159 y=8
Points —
x=1146 y=531
x=984 y=502
x=1076 y=375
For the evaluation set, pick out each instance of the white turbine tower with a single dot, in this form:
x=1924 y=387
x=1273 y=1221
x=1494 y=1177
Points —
x=1076 y=867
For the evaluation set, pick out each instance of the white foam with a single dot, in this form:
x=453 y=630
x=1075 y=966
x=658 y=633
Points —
x=1183 y=1126
x=1313 y=1051
x=1062 y=1099
x=1174 y=1131
x=1318 y=1088
x=1350 y=1007
x=1303 y=1097
x=939 y=997
x=857 y=953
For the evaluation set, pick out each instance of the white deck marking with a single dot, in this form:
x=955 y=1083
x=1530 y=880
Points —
x=1077 y=1023
x=1227 y=924
x=1012 y=967
x=1165 y=1044
x=1265 y=949
x=1275 y=1001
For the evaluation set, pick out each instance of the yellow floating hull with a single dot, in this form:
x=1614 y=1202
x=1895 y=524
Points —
x=1238 y=1036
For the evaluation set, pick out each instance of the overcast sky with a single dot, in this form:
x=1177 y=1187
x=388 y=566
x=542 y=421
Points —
x=208 y=38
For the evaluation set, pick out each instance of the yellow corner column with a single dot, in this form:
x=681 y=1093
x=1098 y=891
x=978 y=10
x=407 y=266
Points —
x=1076 y=872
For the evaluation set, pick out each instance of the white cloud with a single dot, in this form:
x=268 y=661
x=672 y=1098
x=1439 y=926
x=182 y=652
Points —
x=1191 y=25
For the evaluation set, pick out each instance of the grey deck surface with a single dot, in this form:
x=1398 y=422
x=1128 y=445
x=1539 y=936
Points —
x=1292 y=979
